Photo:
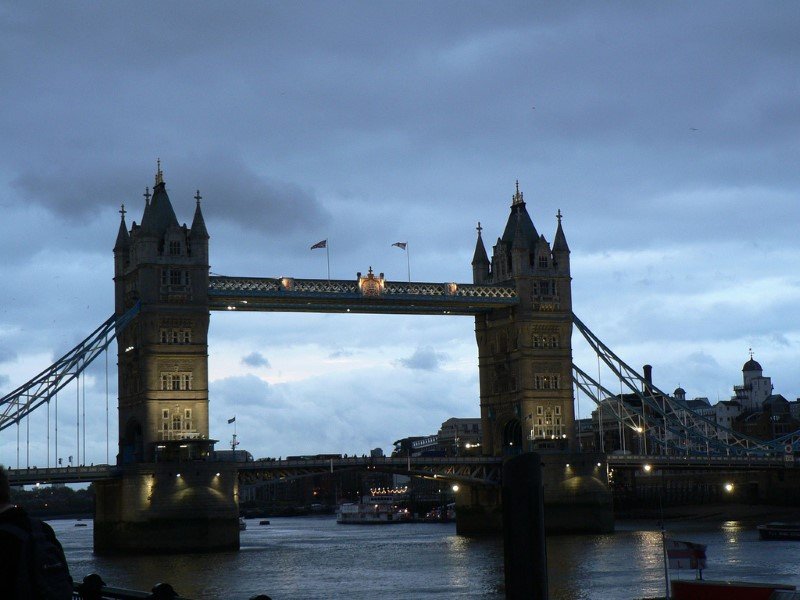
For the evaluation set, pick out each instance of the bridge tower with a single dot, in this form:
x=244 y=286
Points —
x=170 y=497
x=163 y=355
x=525 y=352
x=525 y=363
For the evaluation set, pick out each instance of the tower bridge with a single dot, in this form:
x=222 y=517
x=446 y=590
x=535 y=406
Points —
x=521 y=303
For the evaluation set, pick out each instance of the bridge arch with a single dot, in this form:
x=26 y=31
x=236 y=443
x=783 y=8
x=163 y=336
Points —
x=132 y=443
x=512 y=437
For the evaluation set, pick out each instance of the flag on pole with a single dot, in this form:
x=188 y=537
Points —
x=401 y=245
x=686 y=555
x=321 y=244
x=233 y=420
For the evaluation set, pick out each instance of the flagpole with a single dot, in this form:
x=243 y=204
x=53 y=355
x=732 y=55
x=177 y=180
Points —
x=408 y=263
x=328 y=256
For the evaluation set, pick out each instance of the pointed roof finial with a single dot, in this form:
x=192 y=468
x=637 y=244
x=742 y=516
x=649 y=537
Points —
x=479 y=228
x=517 y=199
x=558 y=216
x=146 y=196
x=198 y=197
x=122 y=211
x=159 y=174
x=751 y=353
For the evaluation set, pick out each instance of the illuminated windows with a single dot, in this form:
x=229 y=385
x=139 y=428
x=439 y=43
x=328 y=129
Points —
x=546 y=381
x=176 y=381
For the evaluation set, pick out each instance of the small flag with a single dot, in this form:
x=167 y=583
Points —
x=686 y=555
x=322 y=244
x=233 y=420
x=401 y=245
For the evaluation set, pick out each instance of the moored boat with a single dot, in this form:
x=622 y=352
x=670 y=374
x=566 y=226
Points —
x=242 y=524
x=779 y=531
x=379 y=508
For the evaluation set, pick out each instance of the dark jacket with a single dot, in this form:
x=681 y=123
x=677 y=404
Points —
x=11 y=550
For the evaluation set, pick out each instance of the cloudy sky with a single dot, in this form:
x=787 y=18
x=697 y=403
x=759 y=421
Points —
x=666 y=133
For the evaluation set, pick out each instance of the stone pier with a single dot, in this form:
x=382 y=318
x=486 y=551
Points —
x=165 y=508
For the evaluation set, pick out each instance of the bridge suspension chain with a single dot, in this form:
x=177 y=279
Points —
x=40 y=389
x=667 y=421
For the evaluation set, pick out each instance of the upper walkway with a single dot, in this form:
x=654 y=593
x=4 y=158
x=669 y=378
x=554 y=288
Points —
x=365 y=294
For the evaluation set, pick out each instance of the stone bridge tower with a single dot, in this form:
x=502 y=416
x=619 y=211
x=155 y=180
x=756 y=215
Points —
x=170 y=496
x=525 y=362
x=525 y=352
x=163 y=355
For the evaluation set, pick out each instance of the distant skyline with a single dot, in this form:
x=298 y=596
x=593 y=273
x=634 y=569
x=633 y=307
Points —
x=666 y=133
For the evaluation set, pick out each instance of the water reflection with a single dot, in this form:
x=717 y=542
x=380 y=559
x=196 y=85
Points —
x=302 y=558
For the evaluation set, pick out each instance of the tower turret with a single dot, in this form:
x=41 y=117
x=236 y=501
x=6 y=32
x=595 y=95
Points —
x=480 y=261
x=561 y=249
x=198 y=235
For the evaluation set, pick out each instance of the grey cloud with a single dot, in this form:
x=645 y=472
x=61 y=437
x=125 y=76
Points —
x=236 y=193
x=245 y=390
x=425 y=359
x=255 y=359
x=702 y=359
x=340 y=353
x=781 y=339
x=7 y=354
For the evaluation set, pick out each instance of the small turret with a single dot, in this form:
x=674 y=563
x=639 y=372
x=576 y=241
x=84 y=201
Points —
x=560 y=248
x=123 y=239
x=480 y=261
x=198 y=231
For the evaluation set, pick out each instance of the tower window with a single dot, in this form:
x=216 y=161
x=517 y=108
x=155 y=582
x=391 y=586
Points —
x=174 y=248
x=546 y=382
x=176 y=335
x=176 y=381
x=174 y=277
x=542 y=262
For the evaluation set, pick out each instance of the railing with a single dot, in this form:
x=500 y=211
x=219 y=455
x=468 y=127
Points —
x=94 y=588
x=219 y=285
x=696 y=461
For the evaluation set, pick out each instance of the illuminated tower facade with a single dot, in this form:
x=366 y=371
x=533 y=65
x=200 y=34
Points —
x=525 y=351
x=163 y=355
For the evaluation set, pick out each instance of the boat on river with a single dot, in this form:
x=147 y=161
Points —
x=242 y=524
x=779 y=531
x=379 y=508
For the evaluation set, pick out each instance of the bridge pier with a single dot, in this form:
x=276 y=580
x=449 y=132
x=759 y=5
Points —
x=169 y=507
x=577 y=499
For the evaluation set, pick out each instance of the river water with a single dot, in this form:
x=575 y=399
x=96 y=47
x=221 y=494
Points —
x=313 y=557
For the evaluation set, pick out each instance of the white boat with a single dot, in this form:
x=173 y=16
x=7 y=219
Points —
x=376 y=509
x=242 y=524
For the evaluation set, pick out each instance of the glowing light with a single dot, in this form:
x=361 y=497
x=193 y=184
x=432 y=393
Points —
x=178 y=475
x=455 y=488
x=217 y=474
x=567 y=465
x=599 y=465
x=647 y=468
x=729 y=487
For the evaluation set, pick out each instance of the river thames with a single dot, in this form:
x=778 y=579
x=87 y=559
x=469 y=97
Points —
x=313 y=557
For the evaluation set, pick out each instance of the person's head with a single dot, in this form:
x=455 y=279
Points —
x=5 y=488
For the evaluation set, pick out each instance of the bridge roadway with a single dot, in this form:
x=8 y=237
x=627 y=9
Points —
x=367 y=294
x=480 y=470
